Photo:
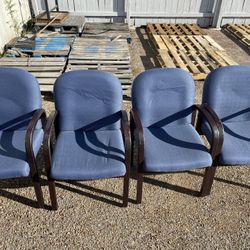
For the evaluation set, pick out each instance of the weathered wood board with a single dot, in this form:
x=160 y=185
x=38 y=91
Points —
x=185 y=46
x=46 y=70
x=102 y=54
x=174 y=29
x=73 y=24
x=108 y=30
x=185 y=42
x=198 y=63
x=241 y=31
x=51 y=45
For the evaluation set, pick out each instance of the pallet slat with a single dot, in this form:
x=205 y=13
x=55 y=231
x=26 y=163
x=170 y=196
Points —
x=199 y=64
x=91 y=53
x=46 y=70
x=174 y=29
x=186 y=46
x=185 y=42
x=240 y=31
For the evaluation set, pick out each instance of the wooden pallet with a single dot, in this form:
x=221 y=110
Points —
x=241 y=31
x=73 y=24
x=102 y=54
x=59 y=17
x=108 y=30
x=198 y=63
x=174 y=29
x=185 y=42
x=56 y=45
x=46 y=70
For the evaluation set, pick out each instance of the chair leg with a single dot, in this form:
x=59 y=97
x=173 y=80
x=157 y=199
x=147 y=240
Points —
x=52 y=192
x=139 y=188
x=38 y=191
x=208 y=181
x=125 y=190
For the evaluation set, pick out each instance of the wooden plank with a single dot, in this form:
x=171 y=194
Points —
x=201 y=64
x=196 y=30
x=227 y=59
x=166 y=59
x=241 y=32
x=198 y=63
x=195 y=43
x=46 y=70
x=189 y=62
x=184 y=30
x=213 y=43
x=184 y=42
x=179 y=45
x=174 y=29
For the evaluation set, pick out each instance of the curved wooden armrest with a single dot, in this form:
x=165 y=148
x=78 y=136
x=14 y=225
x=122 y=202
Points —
x=47 y=139
x=38 y=115
x=126 y=138
x=136 y=126
x=216 y=127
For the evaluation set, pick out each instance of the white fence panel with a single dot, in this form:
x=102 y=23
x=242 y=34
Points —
x=203 y=12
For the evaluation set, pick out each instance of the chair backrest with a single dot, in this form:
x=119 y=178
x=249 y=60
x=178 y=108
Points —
x=227 y=91
x=20 y=96
x=163 y=96
x=88 y=100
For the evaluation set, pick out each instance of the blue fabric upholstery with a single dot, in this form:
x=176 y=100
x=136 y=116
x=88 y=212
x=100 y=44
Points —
x=167 y=94
x=86 y=155
x=164 y=99
x=236 y=146
x=227 y=91
x=174 y=148
x=90 y=144
x=19 y=97
x=84 y=97
x=13 y=161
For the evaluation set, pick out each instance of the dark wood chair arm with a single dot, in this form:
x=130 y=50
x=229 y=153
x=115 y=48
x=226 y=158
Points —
x=216 y=127
x=47 y=139
x=126 y=138
x=136 y=126
x=37 y=116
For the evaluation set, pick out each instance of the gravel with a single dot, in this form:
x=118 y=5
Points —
x=170 y=217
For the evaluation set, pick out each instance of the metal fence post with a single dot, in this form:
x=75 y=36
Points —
x=128 y=3
x=218 y=13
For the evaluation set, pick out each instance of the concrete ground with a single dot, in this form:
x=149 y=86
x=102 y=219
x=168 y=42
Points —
x=170 y=217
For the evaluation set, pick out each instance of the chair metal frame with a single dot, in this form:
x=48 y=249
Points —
x=48 y=151
x=137 y=135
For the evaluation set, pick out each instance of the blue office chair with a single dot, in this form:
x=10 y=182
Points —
x=92 y=131
x=162 y=123
x=226 y=94
x=21 y=126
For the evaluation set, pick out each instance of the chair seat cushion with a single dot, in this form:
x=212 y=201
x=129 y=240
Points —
x=174 y=148
x=86 y=155
x=13 y=160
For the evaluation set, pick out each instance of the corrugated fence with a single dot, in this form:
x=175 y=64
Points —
x=139 y=12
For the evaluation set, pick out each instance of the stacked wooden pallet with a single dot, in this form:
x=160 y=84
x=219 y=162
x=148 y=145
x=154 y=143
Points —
x=46 y=45
x=241 y=31
x=102 y=52
x=46 y=70
x=72 y=24
x=110 y=30
x=187 y=46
